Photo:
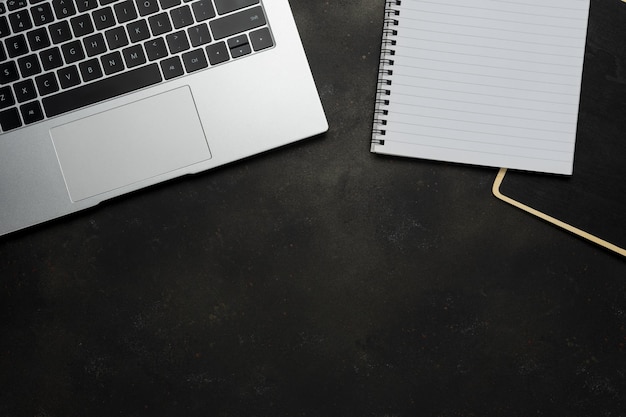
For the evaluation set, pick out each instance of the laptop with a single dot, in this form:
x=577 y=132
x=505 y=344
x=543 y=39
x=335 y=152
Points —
x=99 y=98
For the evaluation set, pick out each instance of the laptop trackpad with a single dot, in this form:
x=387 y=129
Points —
x=131 y=143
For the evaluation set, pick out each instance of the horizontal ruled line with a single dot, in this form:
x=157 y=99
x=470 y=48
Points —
x=481 y=46
x=496 y=20
x=483 y=113
x=493 y=67
x=465 y=35
x=481 y=152
x=487 y=85
x=482 y=123
x=486 y=47
x=476 y=131
x=502 y=10
x=481 y=94
x=479 y=103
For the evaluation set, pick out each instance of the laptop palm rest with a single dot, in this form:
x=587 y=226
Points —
x=130 y=144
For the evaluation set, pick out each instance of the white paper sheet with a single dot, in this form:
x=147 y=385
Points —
x=487 y=82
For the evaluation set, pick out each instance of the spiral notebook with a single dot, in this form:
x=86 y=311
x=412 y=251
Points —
x=487 y=82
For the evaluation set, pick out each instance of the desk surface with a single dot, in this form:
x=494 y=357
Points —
x=317 y=280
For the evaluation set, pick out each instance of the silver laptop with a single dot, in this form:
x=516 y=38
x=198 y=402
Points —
x=102 y=97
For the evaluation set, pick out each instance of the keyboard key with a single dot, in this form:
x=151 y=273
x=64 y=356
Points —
x=90 y=70
x=20 y=21
x=3 y=8
x=177 y=42
x=25 y=91
x=203 y=10
x=103 y=18
x=10 y=119
x=94 y=44
x=103 y=89
x=47 y=84
x=6 y=97
x=60 y=32
x=112 y=63
x=239 y=22
x=73 y=51
x=147 y=7
x=155 y=49
x=182 y=17
x=195 y=60
x=82 y=25
x=172 y=68
x=199 y=35
x=42 y=14
x=16 y=46
x=63 y=8
x=29 y=66
x=51 y=58
x=68 y=76
x=116 y=38
x=125 y=11
x=8 y=72
x=218 y=53
x=31 y=112
x=84 y=5
x=227 y=6
x=134 y=56
x=261 y=39
x=38 y=39
x=160 y=24
x=138 y=31
x=105 y=2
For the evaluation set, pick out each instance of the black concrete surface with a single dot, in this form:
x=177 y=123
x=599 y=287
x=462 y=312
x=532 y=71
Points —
x=317 y=280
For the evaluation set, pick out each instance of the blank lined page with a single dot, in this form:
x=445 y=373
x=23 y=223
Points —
x=487 y=82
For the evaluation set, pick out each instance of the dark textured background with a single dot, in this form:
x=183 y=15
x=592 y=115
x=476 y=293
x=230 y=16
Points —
x=317 y=280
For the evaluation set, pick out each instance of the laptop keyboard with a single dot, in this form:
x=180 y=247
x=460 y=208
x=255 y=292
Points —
x=61 y=55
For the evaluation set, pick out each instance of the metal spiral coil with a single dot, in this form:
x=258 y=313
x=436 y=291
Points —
x=386 y=53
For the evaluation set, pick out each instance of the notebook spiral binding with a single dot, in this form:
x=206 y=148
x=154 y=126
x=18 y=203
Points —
x=384 y=71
